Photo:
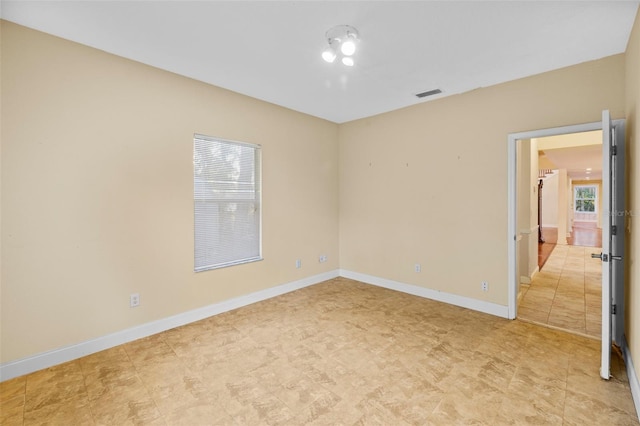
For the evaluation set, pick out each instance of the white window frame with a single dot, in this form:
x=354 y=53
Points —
x=576 y=199
x=227 y=205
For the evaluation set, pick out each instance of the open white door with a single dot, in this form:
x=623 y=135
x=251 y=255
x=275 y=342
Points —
x=605 y=362
x=613 y=211
x=618 y=219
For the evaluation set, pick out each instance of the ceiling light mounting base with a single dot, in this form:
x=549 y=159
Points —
x=341 y=33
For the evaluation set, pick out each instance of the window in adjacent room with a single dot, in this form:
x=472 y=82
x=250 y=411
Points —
x=226 y=198
x=585 y=197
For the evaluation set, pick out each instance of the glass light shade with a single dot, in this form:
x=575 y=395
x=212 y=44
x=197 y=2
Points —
x=348 y=47
x=347 y=61
x=329 y=55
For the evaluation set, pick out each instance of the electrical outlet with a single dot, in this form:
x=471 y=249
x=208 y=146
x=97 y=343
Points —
x=485 y=286
x=134 y=300
x=417 y=267
x=298 y=263
x=322 y=258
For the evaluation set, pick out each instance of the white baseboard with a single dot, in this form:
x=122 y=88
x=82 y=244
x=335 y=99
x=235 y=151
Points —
x=47 y=359
x=527 y=280
x=535 y=271
x=631 y=374
x=440 y=296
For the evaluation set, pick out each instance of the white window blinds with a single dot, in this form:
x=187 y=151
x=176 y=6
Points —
x=226 y=180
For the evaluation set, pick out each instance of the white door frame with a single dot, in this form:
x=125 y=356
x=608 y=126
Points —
x=512 y=232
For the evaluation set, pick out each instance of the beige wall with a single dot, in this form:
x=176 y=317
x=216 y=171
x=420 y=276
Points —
x=564 y=201
x=527 y=208
x=527 y=218
x=428 y=184
x=97 y=186
x=550 y=201
x=632 y=296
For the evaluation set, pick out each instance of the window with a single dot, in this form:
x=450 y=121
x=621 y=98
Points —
x=226 y=198
x=585 y=197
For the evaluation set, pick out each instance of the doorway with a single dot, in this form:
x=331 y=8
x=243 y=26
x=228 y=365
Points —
x=613 y=225
x=512 y=184
x=565 y=289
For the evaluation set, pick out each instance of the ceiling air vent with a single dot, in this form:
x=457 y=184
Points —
x=429 y=93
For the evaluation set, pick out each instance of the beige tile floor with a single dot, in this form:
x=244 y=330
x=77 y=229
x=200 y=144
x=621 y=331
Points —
x=566 y=293
x=340 y=352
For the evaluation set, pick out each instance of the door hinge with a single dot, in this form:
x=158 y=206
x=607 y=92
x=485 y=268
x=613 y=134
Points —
x=614 y=150
x=613 y=309
x=614 y=230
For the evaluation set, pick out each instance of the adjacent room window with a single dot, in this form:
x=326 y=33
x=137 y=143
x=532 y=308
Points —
x=585 y=197
x=226 y=198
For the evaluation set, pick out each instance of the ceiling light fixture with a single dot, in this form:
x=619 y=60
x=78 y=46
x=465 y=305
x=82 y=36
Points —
x=342 y=40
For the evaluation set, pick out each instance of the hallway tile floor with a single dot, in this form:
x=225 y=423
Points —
x=566 y=293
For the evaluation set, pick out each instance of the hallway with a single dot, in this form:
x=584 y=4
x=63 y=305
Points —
x=582 y=234
x=585 y=234
x=566 y=293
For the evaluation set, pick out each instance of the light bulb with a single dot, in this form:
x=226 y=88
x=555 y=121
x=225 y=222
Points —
x=347 y=61
x=348 y=47
x=329 y=55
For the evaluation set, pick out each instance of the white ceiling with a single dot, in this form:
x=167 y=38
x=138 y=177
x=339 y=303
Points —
x=576 y=160
x=271 y=50
x=574 y=152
